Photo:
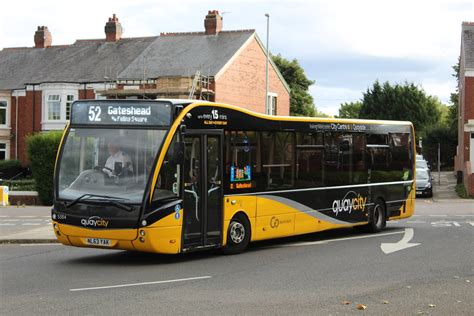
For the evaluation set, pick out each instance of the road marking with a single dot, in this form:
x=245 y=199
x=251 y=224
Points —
x=7 y=224
x=45 y=244
x=404 y=243
x=10 y=220
x=138 y=284
x=30 y=224
x=416 y=222
x=26 y=216
x=323 y=242
x=439 y=215
x=443 y=223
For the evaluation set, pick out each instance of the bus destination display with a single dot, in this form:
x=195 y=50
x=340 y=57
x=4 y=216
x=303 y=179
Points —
x=121 y=113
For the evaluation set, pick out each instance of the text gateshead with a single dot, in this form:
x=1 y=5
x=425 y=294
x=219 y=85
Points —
x=131 y=110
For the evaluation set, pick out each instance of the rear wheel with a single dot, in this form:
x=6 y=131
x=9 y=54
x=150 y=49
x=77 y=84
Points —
x=377 y=219
x=238 y=235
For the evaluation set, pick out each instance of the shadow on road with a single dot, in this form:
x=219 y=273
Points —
x=132 y=258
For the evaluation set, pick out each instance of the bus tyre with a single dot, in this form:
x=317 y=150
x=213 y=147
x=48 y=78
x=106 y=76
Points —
x=238 y=235
x=377 y=219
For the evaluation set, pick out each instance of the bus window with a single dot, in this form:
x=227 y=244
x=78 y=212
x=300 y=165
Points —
x=167 y=183
x=309 y=160
x=400 y=145
x=359 y=173
x=242 y=166
x=278 y=160
x=379 y=157
x=338 y=158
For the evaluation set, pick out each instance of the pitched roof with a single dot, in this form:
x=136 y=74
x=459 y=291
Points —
x=468 y=44
x=90 y=60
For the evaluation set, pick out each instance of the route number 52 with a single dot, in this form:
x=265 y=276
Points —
x=94 y=114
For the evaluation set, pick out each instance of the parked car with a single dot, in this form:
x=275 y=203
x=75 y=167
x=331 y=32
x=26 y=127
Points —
x=422 y=164
x=424 y=182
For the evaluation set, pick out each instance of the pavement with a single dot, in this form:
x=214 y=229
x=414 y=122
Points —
x=32 y=224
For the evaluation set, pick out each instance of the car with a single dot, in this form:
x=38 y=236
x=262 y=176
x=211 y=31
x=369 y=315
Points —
x=422 y=164
x=424 y=182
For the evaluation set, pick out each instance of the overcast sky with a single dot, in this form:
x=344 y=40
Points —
x=343 y=45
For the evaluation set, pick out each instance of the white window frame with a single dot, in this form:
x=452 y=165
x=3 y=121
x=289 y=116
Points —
x=272 y=101
x=51 y=100
x=6 y=150
x=7 y=112
x=63 y=91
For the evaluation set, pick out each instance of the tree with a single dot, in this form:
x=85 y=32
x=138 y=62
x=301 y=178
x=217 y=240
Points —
x=301 y=102
x=406 y=102
x=454 y=100
x=350 y=109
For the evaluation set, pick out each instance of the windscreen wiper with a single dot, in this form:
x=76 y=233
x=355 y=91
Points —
x=103 y=198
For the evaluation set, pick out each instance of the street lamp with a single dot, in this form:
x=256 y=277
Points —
x=268 y=60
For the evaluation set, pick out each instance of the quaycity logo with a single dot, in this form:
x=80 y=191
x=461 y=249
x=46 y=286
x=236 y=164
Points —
x=94 y=221
x=351 y=201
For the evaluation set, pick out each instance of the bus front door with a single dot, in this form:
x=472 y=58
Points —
x=202 y=196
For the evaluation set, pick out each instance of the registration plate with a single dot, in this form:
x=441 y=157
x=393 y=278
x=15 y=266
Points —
x=99 y=242
x=419 y=192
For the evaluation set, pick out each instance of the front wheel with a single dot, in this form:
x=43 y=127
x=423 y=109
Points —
x=377 y=219
x=238 y=235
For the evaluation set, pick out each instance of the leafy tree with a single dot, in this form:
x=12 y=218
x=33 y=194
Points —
x=350 y=109
x=454 y=100
x=301 y=102
x=440 y=134
x=406 y=102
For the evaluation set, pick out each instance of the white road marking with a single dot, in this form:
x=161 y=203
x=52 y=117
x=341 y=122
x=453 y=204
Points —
x=26 y=216
x=416 y=222
x=138 y=284
x=30 y=224
x=323 y=242
x=439 y=215
x=444 y=223
x=7 y=224
x=10 y=220
x=404 y=243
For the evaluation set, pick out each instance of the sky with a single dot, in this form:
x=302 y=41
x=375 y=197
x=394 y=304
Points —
x=343 y=45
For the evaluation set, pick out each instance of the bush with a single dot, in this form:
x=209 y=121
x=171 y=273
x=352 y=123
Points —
x=462 y=193
x=42 y=150
x=20 y=185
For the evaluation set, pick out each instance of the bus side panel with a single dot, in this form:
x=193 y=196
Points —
x=409 y=209
x=234 y=205
x=274 y=219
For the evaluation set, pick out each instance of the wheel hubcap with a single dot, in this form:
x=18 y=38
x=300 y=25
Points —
x=377 y=216
x=237 y=232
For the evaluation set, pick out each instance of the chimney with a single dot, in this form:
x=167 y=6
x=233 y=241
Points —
x=213 y=23
x=113 y=29
x=43 y=37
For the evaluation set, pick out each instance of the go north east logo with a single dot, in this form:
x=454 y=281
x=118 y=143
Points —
x=94 y=221
x=351 y=201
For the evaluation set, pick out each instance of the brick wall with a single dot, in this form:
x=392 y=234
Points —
x=243 y=82
x=86 y=94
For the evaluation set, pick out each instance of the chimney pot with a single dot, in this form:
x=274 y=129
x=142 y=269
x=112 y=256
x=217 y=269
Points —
x=213 y=22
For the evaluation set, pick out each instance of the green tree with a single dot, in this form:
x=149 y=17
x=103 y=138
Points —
x=406 y=102
x=350 y=109
x=301 y=102
x=454 y=100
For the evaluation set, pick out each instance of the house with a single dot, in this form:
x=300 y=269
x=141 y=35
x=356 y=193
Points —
x=464 y=161
x=38 y=84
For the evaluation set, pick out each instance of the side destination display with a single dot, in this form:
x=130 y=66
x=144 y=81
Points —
x=153 y=113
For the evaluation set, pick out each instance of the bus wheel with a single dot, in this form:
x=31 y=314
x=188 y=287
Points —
x=377 y=220
x=238 y=235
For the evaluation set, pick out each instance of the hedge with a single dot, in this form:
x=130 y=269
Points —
x=10 y=168
x=42 y=149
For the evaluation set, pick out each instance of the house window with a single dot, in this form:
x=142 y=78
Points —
x=272 y=104
x=3 y=113
x=54 y=107
x=69 y=100
x=3 y=151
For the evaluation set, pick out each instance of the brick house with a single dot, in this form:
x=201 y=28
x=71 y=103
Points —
x=38 y=84
x=464 y=160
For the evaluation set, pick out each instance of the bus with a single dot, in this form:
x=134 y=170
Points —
x=174 y=176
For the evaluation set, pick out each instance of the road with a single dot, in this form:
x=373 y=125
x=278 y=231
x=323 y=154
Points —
x=325 y=274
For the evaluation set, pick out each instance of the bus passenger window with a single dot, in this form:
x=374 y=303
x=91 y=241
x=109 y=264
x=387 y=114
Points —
x=339 y=158
x=310 y=158
x=242 y=154
x=378 y=157
x=278 y=160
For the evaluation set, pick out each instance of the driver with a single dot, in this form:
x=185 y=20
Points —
x=118 y=161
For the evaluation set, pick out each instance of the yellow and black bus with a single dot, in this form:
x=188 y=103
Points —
x=172 y=176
